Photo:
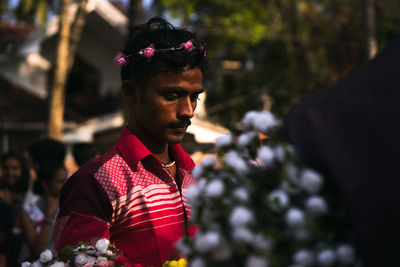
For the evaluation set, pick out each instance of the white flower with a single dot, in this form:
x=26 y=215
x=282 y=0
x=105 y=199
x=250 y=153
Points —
x=46 y=256
x=207 y=241
x=215 y=188
x=197 y=171
x=224 y=140
x=202 y=184
x=345 y=254
x=222 y=253
x=235 y=161
x=81 y=259
x=256 y=261
x=197 y=262
x=279 y=200
x=241 y=234
x=36 y=264
x=58 y=264
x=264 y=121
x=291 y=171
x=102 y=245
x=295 y=218
x=241 y=194
x=326 y=257
x=245 y=139
x=258 y=120
x=208 y=161
x=304 y=258
x=248 y=120
x=316 y=205
x=26 y=264
x=192 y=193
x=90 y=261
x=279 y=153
x=265 y=155
x=240 y=216
x=311 y=181
x=262 y=243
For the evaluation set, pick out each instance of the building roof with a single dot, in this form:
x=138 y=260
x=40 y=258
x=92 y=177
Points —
x=12 y=33
x=21 y=110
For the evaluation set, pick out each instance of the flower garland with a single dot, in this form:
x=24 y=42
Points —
x=148 y=52
x=102 y=254
x=85 y=254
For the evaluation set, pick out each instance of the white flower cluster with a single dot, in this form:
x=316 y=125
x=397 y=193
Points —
x=250 y=200
x=261 y=121
x=83 y=255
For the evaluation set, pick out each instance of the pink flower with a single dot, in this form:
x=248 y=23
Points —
x=102 y=264
x=147 y=52
x=188 y=45
x=121 y=260
x=120 y=59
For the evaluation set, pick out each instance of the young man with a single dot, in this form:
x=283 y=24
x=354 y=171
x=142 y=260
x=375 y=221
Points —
x=135 y=194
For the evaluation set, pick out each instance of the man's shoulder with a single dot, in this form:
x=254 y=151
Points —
x=90 y=168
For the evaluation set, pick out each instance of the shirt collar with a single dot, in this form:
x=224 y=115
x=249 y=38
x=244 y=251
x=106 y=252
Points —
x=133 y=150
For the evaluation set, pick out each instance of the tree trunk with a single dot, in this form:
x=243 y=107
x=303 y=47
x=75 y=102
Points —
x=135 y=14
x=57 y=90
x=370 y=32
x=76 y=32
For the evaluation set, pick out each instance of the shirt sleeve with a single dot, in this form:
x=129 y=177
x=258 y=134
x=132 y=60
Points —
x=85 y=211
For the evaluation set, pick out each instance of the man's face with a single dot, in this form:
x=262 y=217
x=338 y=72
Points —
x=168 y=102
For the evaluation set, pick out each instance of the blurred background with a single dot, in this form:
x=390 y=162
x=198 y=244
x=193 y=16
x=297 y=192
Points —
x=264 y=54
x=60 y=97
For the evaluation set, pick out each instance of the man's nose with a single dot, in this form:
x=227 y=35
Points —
x=186 y=108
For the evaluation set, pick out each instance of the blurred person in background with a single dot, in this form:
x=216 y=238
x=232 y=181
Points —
x=41 y=152
x=13 y=187
x=46 y=150
x=36 y=219
x=84 y=152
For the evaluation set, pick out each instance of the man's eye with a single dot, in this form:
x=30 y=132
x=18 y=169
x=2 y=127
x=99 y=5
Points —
x=171 y=97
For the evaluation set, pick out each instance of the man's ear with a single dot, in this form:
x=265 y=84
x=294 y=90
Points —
x=130 y=92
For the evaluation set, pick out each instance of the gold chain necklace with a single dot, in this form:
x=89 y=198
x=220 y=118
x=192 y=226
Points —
x=168 y=164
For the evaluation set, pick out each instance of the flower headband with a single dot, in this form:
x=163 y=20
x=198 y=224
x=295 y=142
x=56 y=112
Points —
x=121 y=59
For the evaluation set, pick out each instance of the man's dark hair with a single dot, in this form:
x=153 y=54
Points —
x=163 y=35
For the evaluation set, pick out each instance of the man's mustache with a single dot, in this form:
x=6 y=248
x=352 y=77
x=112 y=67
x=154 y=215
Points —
x=179 y=124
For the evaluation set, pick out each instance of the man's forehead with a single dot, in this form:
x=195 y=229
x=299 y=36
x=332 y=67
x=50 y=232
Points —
x=190 y=76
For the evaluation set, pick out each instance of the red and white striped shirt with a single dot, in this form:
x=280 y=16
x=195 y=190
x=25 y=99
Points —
x=128 y=197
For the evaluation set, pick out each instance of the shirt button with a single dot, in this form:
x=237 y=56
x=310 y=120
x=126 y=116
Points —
x=173 y=188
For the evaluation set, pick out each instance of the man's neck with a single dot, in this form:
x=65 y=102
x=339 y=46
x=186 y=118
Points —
x=159 y=149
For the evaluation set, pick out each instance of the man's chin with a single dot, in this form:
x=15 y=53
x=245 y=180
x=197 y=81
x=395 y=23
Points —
x=175 y=139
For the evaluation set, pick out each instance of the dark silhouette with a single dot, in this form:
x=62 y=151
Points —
x=350 y=132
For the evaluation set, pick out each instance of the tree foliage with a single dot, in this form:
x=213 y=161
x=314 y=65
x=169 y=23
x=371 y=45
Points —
x=288 y=48
x=35 y=11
